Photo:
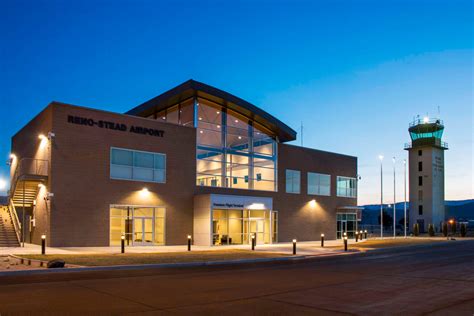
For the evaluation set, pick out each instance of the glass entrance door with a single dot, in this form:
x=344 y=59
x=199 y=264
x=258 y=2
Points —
x=142 y=231
x=257 y=228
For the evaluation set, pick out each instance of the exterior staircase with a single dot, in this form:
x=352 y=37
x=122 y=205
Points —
x=8 y=235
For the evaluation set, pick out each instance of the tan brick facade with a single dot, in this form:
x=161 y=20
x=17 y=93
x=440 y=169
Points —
x=79 y=155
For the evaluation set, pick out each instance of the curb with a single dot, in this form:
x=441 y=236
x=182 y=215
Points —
x=167 y=265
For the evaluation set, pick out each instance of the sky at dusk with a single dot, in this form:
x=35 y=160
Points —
x=354 y=73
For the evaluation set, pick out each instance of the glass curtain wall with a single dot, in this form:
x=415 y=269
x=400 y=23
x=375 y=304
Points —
x=233 y=151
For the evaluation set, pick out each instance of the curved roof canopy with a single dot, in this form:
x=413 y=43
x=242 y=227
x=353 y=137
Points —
x=192 y=88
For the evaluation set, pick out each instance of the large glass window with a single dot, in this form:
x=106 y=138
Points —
x=126 y=164
x=140 y=225
x=231 y=151
x=230 y=227
x=319 y=184
x=346 y=187
x=293 y=181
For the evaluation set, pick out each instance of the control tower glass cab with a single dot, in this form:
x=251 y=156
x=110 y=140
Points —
x=426 y=173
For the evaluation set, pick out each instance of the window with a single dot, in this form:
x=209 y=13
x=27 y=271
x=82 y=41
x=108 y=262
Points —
x=420 y=180
x=420 y=152
x=319 y=184
x=420 y=165
x=346 y=187
x=292 y=181
x=233 y=151
x=420 y=195
x=128 y=164
x=420 y=209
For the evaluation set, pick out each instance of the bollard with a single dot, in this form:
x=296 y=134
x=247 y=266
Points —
x=189 y=242
x=43 y=244
x=294 y=246
x=365 y=232
x=322 y=240
x=361 y=234
x=123 y=243
x=253 y=242
x=345 y=243
x=357 y=236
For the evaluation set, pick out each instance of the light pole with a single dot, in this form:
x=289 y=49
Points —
x=394 y=200
x=381 y=196
x=405 y=196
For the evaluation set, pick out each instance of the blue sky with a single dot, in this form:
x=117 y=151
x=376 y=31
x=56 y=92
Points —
x=354 y=72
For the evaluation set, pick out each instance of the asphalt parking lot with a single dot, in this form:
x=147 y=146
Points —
x=433 y=279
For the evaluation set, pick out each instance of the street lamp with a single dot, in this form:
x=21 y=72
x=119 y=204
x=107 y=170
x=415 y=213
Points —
x=381 y=196
x=394 y=200
x=405 y=196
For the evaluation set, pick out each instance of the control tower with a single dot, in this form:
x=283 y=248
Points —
x=426 y=173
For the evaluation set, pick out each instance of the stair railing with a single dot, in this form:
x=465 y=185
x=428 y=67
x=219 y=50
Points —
x=29 y=166
x=16 y=222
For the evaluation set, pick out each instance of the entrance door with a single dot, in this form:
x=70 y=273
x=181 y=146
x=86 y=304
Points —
x=341 y=228
x=257 y=228
x=142 y=231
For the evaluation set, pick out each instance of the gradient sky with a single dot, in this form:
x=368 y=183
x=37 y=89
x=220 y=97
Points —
x=354 y=72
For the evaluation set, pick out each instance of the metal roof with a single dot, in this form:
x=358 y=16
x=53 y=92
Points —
x=192 y=88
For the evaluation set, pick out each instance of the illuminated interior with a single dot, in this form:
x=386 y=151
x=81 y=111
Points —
x=141 y=225
x=235 y=227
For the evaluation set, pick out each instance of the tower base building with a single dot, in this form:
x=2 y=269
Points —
x=426 y=174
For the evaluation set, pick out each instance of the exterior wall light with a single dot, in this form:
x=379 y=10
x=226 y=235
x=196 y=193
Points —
x=42 y=137
x=312 y=203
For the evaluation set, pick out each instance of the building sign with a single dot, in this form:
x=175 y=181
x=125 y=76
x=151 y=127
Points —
x=114 y=126
x=219 y=201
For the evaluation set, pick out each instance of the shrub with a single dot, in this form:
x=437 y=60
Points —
x=416 y=229
x=463 y=230
x=431 y=230
x=445 y=229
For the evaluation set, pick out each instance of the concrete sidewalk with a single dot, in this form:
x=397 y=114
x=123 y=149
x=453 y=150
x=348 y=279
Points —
x=303 y=248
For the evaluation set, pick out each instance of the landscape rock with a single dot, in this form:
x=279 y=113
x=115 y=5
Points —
x=56 y=263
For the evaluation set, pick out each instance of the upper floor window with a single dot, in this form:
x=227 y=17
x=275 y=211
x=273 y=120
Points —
x=319 y=184
x=293 y=181
x=420 y=152
x=346 y=187
x=420 y=165
x=420 y=180
x=129 y=164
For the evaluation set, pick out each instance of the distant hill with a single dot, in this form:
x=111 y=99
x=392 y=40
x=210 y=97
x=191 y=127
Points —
x=460 y=210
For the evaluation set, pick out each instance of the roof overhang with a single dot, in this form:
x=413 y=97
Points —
x=192 y=88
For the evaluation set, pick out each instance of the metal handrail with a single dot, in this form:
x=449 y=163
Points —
x=29 y=166
x=419 y=121
x=15 y=220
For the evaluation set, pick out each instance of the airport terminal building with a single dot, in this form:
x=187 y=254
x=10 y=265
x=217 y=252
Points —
x=194 y=160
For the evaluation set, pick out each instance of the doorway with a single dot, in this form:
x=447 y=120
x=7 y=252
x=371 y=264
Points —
x=143 y=231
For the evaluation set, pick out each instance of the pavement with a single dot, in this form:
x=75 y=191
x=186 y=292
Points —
x=436 y=279
x=304 y=248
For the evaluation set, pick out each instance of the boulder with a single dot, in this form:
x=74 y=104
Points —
x=56 y=263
